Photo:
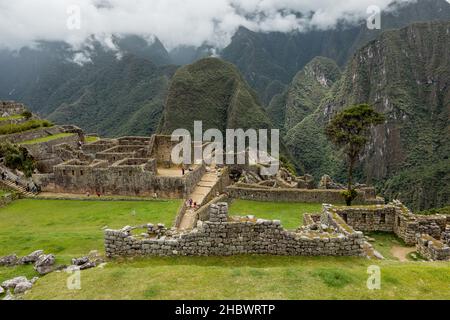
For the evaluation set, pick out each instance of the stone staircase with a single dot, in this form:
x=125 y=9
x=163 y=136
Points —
x=10 y=183
x=199 y=196
x=18 y=188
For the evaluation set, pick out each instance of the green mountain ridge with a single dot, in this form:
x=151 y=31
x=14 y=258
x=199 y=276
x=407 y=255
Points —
x=213 y=91
x=269 y=59
x=304 y=94
x=404 y=74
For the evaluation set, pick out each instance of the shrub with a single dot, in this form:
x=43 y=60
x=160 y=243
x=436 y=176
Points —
x=27 y=114
x=349 y=196
x=17 y=157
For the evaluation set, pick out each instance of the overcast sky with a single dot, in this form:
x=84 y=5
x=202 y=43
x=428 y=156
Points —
x=174 y=22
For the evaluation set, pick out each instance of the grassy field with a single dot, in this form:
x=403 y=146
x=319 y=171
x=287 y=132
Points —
x=14 y=117
x=69 y=228
x=90 y=139
x=73 y=228
x=250 y=277
x=47 y=138
x=290 y=214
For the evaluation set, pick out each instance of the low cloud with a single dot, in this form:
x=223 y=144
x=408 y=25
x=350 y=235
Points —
x=174 y=22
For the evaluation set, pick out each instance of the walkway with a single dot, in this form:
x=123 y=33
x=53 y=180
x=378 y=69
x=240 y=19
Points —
x=199 y=196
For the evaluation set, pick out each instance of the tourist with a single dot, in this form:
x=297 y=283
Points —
x=88 y=194
x=98 y=194
x=182 y=170
x=190 y=203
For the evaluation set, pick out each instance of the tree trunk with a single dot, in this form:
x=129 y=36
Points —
x=349 y=198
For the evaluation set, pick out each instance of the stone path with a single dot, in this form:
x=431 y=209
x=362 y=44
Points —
x=199 y=195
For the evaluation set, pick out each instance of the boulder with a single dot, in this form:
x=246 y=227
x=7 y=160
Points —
x=22 y=287
x=45 y=264
x=8 y=296
x=88 y=265
x=2 y=291
x=9 y=261
x=95 y=257
x=32 y=257
x=80 y=261
x=12 y=283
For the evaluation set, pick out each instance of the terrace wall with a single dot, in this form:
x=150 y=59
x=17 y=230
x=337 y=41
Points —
x=32 y=134
x=11 y=108
x=297 y=195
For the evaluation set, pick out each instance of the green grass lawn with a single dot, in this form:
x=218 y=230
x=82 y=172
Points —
x=90 y=139
x=72 y=228
x=290 y=214
x=47 y=138
x=13 y=117
x=250 y=277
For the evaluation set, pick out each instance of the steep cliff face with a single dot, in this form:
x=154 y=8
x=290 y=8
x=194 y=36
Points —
x=213 y=91
x=268 y=59
x=304 y=94
x=403 y=74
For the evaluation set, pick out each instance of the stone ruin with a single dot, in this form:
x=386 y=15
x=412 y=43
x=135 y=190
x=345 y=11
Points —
x=10 y=108
x=337 y=231
x=129 y=166
x=223 y=235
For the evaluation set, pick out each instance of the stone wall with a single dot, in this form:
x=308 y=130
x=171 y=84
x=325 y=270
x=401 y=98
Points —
x=408 y=225
x=99 y=146
x=162 y=150
x=297 y=195
x=223 y=236
x=11 y=108
x=369 y=218
x=128 y=177
x=431 y=248
x=393 y=217
x=32 y=134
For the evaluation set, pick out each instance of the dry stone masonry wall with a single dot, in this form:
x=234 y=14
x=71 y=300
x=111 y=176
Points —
x=223 y=236
x=335 y=232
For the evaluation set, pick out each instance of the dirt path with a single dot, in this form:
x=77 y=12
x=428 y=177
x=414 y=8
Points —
x=401 y=253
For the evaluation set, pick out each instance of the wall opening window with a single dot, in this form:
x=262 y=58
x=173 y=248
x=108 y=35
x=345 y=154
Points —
x=383 y=218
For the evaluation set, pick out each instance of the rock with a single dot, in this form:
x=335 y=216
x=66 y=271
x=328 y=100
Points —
x=12 y=283
x=8 y=296
x=2 y=291
x=32 y=257
x=22 y=287
x=45 y=264
x=9 y=261
x=80 y=261
x=378 y=255
x=33 y=281
x=88 y=265
x=95 y=257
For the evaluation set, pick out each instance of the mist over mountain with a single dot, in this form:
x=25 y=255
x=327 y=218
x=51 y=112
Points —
x=292 y=76
x=273 y=58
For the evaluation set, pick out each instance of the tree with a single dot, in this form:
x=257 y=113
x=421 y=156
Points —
x=17 y=157
x=350 y=131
